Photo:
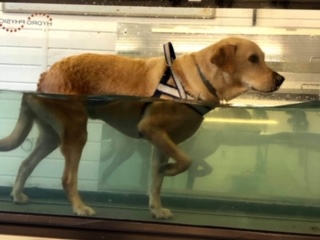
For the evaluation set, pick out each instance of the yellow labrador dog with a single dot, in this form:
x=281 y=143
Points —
x=221 y=71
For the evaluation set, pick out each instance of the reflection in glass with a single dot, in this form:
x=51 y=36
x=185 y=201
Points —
x=260 y=162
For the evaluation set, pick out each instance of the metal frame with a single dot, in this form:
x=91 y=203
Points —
x=97 y=229
x=284 y=4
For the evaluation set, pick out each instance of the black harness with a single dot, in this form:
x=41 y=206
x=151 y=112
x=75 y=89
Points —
x=164 y=88
x=178 y=91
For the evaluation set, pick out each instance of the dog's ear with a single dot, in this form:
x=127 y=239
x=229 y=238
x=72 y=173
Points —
x=224 y=56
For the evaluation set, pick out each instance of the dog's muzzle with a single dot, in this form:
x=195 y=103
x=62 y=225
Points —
x=278 y=79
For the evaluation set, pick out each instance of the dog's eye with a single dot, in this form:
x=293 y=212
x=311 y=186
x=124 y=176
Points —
x=254 y=58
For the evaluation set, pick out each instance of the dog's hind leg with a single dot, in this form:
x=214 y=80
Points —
x=73 y=141
x=158 y=160
x=47 y=142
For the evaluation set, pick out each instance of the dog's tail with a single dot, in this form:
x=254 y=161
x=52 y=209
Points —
x=21 y=130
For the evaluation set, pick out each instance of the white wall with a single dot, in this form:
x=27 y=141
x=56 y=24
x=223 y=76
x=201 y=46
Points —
x=28 y=52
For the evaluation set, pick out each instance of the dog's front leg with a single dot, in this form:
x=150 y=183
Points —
x=157 y=160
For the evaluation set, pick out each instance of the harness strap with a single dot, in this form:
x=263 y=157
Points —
x=170 y=56
x=199 y=109
x=178 y=91
x=166 y=89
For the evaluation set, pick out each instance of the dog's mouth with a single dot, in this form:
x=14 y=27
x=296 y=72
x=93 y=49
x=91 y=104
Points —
x=275 y=88
x=277 y=82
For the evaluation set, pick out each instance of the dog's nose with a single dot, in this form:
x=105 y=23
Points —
x=278 y=78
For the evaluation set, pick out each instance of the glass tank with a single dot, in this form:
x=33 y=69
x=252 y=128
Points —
x=81 y=141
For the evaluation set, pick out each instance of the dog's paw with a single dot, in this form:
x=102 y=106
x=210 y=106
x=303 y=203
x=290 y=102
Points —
x=161 y=213
x=20 y=198
x=84 y=211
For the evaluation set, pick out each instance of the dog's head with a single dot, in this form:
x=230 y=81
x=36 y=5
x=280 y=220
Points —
x=244 y=64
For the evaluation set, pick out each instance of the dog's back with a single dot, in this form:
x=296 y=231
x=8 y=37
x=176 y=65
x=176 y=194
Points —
x=103 y=74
